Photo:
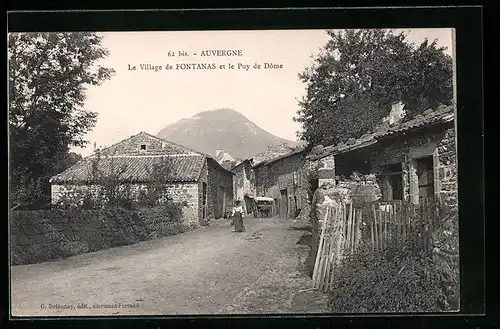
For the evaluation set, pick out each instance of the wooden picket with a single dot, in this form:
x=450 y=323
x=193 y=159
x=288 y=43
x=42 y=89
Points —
x=344 y=228
x=340 y=235
x=399 y=221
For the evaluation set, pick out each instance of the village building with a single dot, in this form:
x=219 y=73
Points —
x=409 y=159
x=283 y=178
x=193 y=178
x=244 y=184
x=225 y=159
x=223 y=156
x=273 y=151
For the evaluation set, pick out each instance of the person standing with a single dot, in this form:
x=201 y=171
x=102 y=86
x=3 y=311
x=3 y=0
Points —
x=238 y=214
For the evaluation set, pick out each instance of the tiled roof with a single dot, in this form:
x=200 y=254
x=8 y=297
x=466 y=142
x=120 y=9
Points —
x=442 y=114
x=279 y=157
x=228 y=165
x=429 y=117
x=272 y=152
x=239 y=163
x=184 y=168
x=168 y=147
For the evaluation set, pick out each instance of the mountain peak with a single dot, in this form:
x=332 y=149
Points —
x=222 y=113
x=222 y=129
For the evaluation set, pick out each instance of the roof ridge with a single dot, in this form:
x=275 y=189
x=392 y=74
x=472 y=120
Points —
x=194 y=162
x=438 y=113
x=149 y=135
x=174 y=144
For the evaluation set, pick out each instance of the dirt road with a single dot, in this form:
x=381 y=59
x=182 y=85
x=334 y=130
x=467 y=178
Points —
x=211 y=270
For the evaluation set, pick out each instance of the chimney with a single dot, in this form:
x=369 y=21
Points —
x=397 y=112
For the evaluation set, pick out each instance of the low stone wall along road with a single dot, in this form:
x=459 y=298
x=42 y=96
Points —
x=210 y=270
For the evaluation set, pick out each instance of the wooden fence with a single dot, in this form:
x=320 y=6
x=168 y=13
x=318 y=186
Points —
x=401 y=221
x=344 y=228
x=340 y=235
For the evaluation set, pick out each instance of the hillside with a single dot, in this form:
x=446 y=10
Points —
x=225 y=129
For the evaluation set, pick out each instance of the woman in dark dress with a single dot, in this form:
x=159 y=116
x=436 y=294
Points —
x=238 y=214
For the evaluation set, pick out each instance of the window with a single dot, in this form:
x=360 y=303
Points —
x=425 y=176
x=297 y=181
x=392 y=182
x=143 y=147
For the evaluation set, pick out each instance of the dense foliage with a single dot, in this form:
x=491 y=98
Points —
x=359 y=73
x=400 y=279
x=48 y=77
x=107 y=187
x=405 y=277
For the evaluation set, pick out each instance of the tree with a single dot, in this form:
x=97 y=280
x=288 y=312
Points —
x=157 y=191
x=359 y=73
x=48 y=77
x=108 y=178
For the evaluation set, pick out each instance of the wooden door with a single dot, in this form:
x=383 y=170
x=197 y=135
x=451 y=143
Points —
x=204 y=200
x=284 y=204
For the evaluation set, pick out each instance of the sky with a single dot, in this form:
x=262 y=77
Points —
x=147 y=100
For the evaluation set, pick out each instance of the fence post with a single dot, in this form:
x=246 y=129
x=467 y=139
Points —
x=372 y=224
x=347 y=249
x=375 y=227
x=318 y=254
x=384 y=228
x=331 y=254
x=359 y=229
x=328 y=251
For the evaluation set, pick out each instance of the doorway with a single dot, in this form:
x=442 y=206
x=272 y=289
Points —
x=248 y=204
x=283 y=204
x=221 y=194
x=392 y=178
x=204 y=201
x=425 y=174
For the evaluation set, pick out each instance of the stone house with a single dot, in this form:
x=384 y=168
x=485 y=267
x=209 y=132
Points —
x=283 y=179
x=273 y=151
x=410 y=159
x=193 y=177
x=223 y=156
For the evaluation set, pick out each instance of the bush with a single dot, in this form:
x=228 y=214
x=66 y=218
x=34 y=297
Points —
x=403 y=278
x=173 y=210
x=446 y=255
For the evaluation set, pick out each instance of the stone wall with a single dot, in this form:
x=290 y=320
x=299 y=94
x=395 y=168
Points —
x=288 y=173
x=447 y=169
x=42 y=235
x=219 y=180
x=203 y=181
x=243 y=181
x=177 y=192
x=326 y=170
x=154 y=146
x=446 y=255
x=261 y=174
x=440 y=144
